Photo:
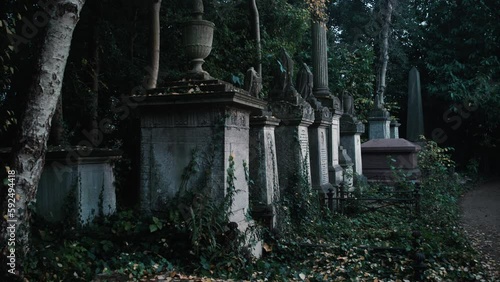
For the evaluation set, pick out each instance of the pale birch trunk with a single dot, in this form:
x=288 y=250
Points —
x=155 y=44
x=385 y=20
x=255 y=22
x=29 y=152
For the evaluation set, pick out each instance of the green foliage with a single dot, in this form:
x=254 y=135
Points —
x=434 y=159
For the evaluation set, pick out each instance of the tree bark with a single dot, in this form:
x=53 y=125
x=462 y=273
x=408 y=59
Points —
x=94 y=64
x=155 y=44
x=29 y=152
x=255 y=23
x=385 y=20
x=57 y=130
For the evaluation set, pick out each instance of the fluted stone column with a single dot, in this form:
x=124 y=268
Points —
x=320 y=60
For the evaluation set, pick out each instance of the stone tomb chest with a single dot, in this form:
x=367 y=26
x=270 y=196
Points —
x=383 y=157
x=77 y=183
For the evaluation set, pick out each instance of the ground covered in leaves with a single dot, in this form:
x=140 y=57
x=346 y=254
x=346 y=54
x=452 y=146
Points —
x=368 y=241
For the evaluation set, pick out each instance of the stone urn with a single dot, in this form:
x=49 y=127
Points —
x=197 y=40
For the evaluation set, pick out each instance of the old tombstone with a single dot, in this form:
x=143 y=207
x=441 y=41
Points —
x=292 y=137
x=263 y=167
x=395 y=129
x=318 y=132
x=415 y=118
x=347 y=165
x=350 y=133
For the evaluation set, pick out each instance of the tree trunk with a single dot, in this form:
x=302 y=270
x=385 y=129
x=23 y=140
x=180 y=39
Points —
x=94 y=46
x=255 y=23
x=155 y=44
x=29 y=152
x=385 y=20
x=57 y=130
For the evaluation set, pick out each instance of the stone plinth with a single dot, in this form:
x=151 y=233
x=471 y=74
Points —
x=395 y=129
x=318 y=150
x=77 y=184
x=292 y=141
x=263 y=168
x=350 y=139
x=197 y=124
x=379 y=124
x=379 y=155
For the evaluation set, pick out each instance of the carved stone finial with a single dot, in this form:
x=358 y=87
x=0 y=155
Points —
x=348 y=104
x=198 y=9
x=304 y=82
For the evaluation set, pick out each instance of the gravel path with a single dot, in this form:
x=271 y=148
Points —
x=481 y=221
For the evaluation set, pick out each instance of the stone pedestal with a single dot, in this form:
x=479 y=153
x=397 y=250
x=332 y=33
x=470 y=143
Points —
x=379 y=124
x=381 y=155
x=350 y=139
x=263 y=168
x=318 y=148
x=198 y=124
x=395 y=129
x=292 y=141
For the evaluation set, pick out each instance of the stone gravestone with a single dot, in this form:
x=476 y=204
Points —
x=296 y=115
x=350 y=133
x=318 y=133
x=263 y=167
x=347 y=164
x=415 y=119
x=395 y=129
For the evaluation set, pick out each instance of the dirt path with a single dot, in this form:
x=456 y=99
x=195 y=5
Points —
x=481 y=221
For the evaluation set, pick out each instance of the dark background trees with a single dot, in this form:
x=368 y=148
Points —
x=453 y=44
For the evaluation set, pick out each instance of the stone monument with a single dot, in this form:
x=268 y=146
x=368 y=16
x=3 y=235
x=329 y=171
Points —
x=379 y=120
x=296 y=115
x=415 y=118
x=323 y=94
x=318 y=133
x=263 y=167
x=350 y=133
x=394 y=129
x=196 y=123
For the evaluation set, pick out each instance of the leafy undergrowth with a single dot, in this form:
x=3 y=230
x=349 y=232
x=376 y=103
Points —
x=313 y=244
